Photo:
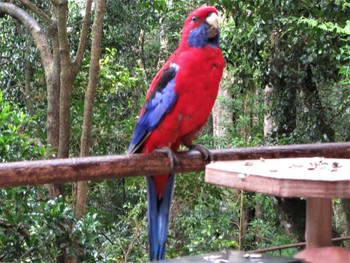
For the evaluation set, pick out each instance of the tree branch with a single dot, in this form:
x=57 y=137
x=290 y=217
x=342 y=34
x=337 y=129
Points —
x=66 y=78
x=93 y=77
x=83 y=37
x=20 y=228
x=34 y=29
x=59 y=2
x=82 y=188
x=62 y=14
x=41 y=14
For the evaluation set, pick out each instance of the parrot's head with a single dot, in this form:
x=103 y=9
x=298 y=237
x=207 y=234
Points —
x=201 y=28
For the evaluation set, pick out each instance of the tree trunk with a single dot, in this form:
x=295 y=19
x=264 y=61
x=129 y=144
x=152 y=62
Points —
x=268 y=118
x=141 y=61
x=35 y=30
x=315 y=112
x=82 y=188
x=345 y=205
x=69 y=69
x=28 y=78
x=287 y=107
x=222 y=114
x=164 y=42
x=292 y=213
x=59 y=70
x=53 y=100
x=66 y=78
x=50 y=64
x=258 y=215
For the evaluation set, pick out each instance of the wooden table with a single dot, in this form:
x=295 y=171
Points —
x=318 y=179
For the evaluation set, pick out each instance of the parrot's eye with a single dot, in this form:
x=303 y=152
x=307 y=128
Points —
x=195 y=19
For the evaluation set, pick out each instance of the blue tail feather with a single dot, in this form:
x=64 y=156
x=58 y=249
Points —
x=158 y=217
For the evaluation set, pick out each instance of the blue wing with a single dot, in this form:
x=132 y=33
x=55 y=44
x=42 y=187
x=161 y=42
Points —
x=160 y=102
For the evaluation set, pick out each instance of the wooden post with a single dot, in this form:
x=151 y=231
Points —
x=318 y=222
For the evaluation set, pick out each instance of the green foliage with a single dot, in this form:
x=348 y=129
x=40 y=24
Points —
x=17 y=53
x=345 y=68
x=298 y=52
x=131 y=246
x=116 y=105
x=203 y=220
x=31 y=230
x=265 y=229
x=15 y=141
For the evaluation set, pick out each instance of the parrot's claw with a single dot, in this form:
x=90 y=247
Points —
x=207 y=154
x=171 y=155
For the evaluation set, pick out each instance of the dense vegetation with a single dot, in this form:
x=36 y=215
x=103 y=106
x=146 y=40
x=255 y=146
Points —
x=288 y=62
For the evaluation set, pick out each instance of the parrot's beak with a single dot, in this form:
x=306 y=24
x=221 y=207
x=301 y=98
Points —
x=213 y=22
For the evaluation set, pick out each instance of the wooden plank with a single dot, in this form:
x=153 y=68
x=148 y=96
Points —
x=292 y=177
x=117 y=166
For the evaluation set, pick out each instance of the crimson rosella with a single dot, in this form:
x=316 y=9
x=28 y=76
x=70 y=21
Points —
x=178 y=104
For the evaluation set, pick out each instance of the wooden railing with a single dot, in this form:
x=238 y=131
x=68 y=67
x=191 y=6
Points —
x=296 y=245
x=117 y=166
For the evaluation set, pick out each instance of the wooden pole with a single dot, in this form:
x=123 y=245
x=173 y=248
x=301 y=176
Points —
x=117 y=166
x=318 y=222
x=241 y=221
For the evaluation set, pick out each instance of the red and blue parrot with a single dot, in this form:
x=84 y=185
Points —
x=177 y=106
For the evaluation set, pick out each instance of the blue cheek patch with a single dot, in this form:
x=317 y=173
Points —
x=198 y=37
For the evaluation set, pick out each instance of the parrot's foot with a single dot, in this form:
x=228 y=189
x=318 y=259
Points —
x=207 y=154
x=171 y=155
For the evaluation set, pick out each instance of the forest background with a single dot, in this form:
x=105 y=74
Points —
x=73 y=76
